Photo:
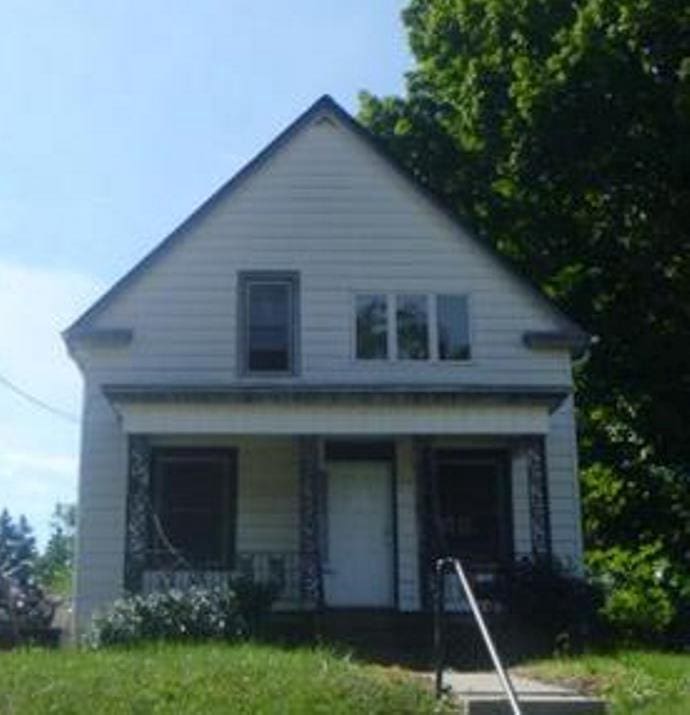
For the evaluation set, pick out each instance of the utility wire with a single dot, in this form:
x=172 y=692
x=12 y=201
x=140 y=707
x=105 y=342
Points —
x=36 y=402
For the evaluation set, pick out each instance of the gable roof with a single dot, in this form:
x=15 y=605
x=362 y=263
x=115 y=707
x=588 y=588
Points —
x=572 y=334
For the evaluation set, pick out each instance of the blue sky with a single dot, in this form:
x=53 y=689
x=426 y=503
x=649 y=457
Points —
x=116 y=120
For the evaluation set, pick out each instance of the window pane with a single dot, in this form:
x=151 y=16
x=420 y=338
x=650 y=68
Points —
x=472 y=510
x=194 y=510
x=372 y=327
x=197 y=536
x=268 y=330
x=453 y=327
x=192 y=484
x=412 y=327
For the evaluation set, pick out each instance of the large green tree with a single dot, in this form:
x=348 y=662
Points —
x=560 y=131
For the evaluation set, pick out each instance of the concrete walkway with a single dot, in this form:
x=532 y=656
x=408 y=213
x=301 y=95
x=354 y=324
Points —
x=482 y=694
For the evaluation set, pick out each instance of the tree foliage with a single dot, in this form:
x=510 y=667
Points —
x=55 y=564
x=560 y=131
x=17 y=549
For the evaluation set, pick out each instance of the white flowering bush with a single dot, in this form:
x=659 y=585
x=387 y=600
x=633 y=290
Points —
x=197 y=613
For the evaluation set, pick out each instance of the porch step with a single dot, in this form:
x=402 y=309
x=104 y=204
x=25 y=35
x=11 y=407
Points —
x=481 y=694
x=533 y=705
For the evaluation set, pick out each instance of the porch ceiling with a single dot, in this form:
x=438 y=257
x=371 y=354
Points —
x=337 y=410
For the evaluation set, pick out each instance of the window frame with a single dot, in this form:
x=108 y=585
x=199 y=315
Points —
x=229 y=514
x=245 y=279
x=392 y=327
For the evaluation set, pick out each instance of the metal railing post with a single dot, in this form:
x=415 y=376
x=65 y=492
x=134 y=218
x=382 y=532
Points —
x=503 y=676
x=439 y=618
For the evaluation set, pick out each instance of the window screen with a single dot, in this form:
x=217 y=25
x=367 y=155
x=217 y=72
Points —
x=269 y=324
x=412 y=327
x=194 y=507
x=453 y=327
x=372 y=327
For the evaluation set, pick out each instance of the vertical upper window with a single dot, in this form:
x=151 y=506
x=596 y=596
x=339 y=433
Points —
x=412 y=327
x=372 y=327
x=268 y=322
x=453 y=327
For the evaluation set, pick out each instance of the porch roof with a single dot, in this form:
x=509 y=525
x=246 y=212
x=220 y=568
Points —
x=334 y=409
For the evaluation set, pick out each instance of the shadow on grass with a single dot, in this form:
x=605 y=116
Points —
x=402 y=640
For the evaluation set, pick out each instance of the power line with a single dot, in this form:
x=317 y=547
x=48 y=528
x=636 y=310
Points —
x=36 y=402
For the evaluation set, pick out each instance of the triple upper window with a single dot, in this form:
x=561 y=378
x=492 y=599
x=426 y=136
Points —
x=402 y=326
x=412 y=326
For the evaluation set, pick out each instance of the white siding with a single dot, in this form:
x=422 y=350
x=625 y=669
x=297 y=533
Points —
x=285 y=419
x=564 y=487
x=267 y=509
x=102 y=507
x=328 y=207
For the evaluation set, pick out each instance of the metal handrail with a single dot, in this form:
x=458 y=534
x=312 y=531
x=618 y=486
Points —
x=504 y=678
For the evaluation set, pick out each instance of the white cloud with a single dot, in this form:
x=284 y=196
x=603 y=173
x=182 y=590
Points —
x=38 y=451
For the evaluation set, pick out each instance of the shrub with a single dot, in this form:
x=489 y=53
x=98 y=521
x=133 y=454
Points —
x=638 y=589
x=254 y=600
x=193 y=614
x=26 y=612
x=557 y=603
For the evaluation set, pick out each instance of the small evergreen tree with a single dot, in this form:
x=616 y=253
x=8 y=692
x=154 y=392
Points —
x=17 y=549
x=55 y=564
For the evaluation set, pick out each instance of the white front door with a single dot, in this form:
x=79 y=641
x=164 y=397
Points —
x=358 y=570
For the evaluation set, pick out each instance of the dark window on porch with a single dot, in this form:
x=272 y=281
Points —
x=268 y=322
x=194 y=509
x=473 y=502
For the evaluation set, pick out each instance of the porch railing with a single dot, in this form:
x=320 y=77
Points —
x=278 y=568
x=454 y=566
x=490 y=583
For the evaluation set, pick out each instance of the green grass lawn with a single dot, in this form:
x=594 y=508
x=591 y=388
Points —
x=636 y=682
x=205 y=679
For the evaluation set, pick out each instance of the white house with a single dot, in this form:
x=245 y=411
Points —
x=322 y=379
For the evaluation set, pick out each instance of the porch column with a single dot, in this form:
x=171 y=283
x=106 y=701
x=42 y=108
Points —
x=136 y=527
x=311 y=479
x=538 y=493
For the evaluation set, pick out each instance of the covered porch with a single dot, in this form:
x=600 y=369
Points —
x=341 y=501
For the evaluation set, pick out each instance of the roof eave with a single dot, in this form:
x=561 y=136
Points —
x=550 y=395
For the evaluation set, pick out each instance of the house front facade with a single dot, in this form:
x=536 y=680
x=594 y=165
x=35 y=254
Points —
x=321 y=380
